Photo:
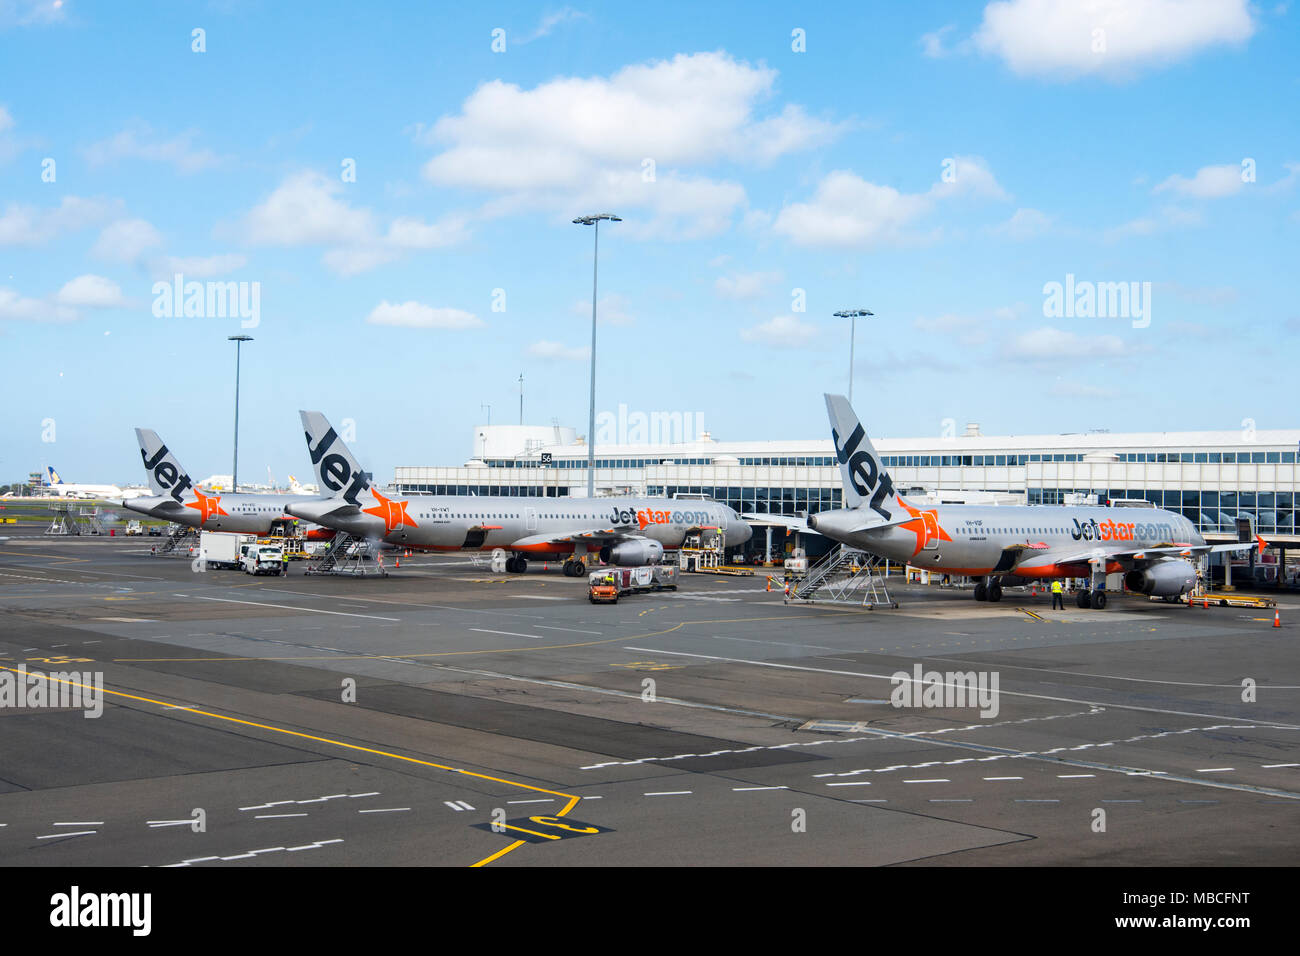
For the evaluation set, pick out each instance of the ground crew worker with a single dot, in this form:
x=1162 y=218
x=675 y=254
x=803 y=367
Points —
x=284 y=556
x=1058 y=595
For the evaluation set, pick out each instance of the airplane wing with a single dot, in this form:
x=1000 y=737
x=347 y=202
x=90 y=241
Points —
x=331 y=508
x=788 y=521
x=589 y=535
x=801 y=524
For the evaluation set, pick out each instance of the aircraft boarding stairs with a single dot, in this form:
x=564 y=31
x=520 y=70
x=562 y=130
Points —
x=347 y=554
x=839 y=577
x=70 y=519
x=179 y=540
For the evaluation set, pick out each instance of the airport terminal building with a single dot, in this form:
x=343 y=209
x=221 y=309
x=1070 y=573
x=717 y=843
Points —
x=1209 y=477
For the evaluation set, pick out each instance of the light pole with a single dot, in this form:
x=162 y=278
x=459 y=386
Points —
x=591 y=423
x=851 y=314
x=239 y=341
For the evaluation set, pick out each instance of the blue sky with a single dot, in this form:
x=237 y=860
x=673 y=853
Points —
x=938 y=164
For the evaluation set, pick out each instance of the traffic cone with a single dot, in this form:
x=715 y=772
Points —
x=397 y=562
x=1277 y=618
x=769 y=585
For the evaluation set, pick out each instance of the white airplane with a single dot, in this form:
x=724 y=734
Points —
x=1008 y=544
x=65 y=490
x=625 y=531
x=176 y=498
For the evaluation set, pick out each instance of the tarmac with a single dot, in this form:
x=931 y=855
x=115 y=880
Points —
x=448 y=715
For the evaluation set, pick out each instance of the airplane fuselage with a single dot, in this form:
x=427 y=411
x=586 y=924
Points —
x=249 y=514
x=461 y=523
x=973 y=540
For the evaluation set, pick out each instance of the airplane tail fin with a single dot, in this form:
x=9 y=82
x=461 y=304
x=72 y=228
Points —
x=866 y=483
x=334 y=465
x=164 y=471
x=54 y=475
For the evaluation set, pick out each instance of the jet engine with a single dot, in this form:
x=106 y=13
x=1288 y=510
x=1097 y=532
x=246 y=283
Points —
x=632 y=552
x=1162 y=579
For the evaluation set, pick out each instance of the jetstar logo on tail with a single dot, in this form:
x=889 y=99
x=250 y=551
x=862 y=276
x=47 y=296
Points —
x=208 y=506
x=334 y=470
x=864 y=470
x=166 y=473
x=392 y=513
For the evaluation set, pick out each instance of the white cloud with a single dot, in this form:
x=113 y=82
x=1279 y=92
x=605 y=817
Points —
x=10 y=144
x=136 y=143
x=28 y=12
x=1117 y=39
x=574 y=144
x=847 y=211
x=306 y=209
x=1048 y=343
x=932 y=43
x=548 y=23
x=91 y=291
x=408 y=232
x=1168 y=217
x=29 y=226
x=782 y=331
x=417 y=315
x=556 y=351
x=1286 y=182
x=1210 y=182
x=1024 y=224
x=126 y=241
x=18 y=308
x=970 y=176
x=745 y=285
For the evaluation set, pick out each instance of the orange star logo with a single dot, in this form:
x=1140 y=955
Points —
x=924 y=524
x=208 y=506
x=392 y=513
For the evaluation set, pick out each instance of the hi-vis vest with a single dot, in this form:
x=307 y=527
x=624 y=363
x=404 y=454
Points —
x=1056 y=587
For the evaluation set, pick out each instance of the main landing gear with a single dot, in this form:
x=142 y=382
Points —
x=517 y=564
x=574 y=569
x=1095 y=599
x=990 y=591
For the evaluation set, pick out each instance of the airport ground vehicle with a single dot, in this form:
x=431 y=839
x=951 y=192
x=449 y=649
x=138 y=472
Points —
x=607 y=585
x=134 y=528
x=223 y=549
x=262 y=559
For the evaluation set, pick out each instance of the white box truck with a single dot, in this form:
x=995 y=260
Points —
x=221 y=549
